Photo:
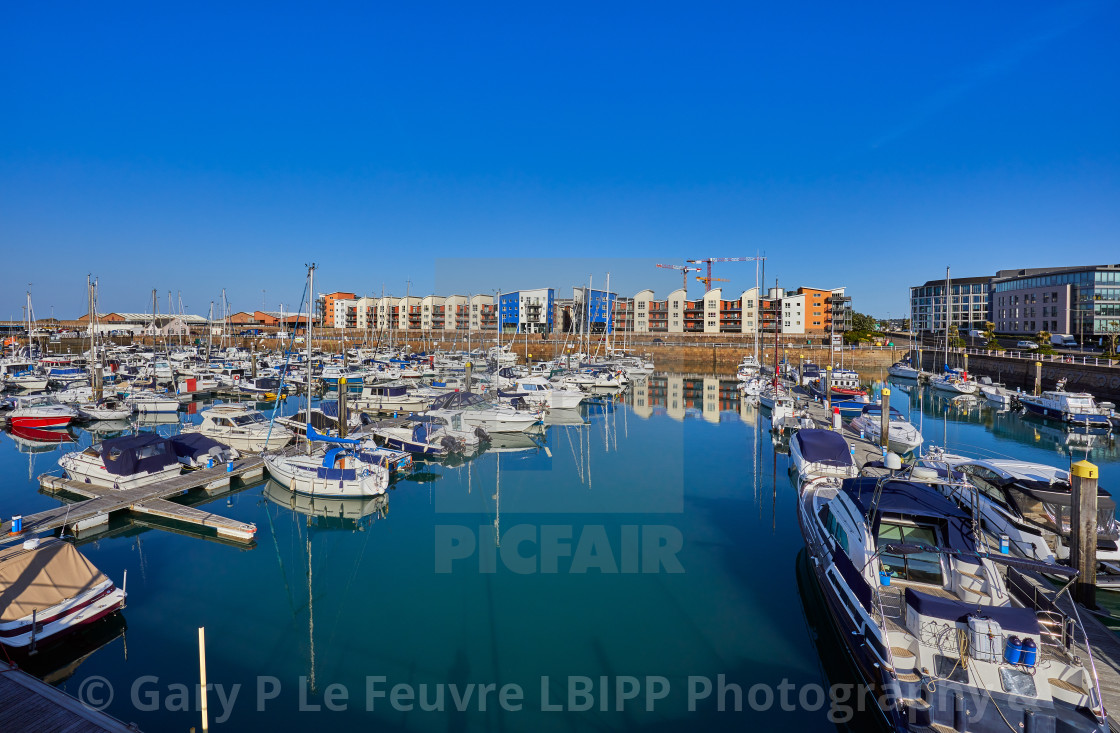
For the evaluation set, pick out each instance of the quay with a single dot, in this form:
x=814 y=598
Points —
x=30 y=704
x=101 y=502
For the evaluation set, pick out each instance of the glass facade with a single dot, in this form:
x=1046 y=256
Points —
x=967 y=306
x=1094 y=298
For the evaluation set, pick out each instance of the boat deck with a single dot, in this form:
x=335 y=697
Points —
x=151 y=500
x=28 y=704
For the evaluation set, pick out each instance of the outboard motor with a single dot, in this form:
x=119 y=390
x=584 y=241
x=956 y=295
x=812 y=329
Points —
x=449 y=444
x=482 y=435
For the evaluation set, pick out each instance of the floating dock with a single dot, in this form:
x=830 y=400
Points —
x=100 y=502
x=27 y=704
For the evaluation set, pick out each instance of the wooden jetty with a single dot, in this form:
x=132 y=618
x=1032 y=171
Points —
x=28 y=704
x=101 y=502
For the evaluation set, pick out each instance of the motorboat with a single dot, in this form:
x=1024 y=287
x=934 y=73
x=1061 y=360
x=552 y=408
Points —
x=127 y=462
x=748 y=368
x=843 y=383
x=1031 y=503
x=904 y=370
x=997 y=394
x=954 y=382
x=243 y=427
x=933 y=621
x=106 y=408
x=40 y=411
x=387 y=398
x=819 y=453
x=902 y=436
x=47 y=589
x=416 y=436
x=1075 y=408
x=540 y=392
x=479 y=412
x=27 y=381
x=149 y=401
x=195 y=450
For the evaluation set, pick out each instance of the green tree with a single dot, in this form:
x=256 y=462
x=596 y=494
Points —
x=863 y=322
x=990 y=335
x=1044 y=345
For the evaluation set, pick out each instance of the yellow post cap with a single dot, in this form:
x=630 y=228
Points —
x=342 y=380
x=1084 y=469
x=887 y=391
x=1038 y=363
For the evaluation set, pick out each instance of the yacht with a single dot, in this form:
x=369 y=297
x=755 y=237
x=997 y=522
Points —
x=416 y=436
x=1075 y=408
x=195 y=450
x=148 y=402
x=902 y=436
x=1031 y=503
x=540 y=392
x=997 y=394
x=903 y=370
x=389 y=397
x=122 y=463
x=479 y=412
x=106 y=408
x=954 y=382
x=48 y=588
x=819 y=453
x=332 y=469
x=748 y=368
x=242 y=427
x=40 y=411
x=323 y=417
x=945 y=634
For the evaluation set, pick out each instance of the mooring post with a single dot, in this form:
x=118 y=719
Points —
x=1037 y=378
x=202 y=677
x=828 y=387
x=1083 y=536
x=342 y=416
x=966 y=363
x=470 y=367
x=885 y=419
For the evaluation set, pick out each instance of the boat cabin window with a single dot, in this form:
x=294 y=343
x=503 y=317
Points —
x=950 y=668
x=986 y=481
x=916 y=567
x=147 y=451
x=249 y=419
x=114 y=454
x=834 y=528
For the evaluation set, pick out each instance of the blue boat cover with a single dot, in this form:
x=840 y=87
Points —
x=823 y=446
x=132 y=454
x=1021 y=620
x=330 y=455
x=329 y=408
x=315 y=435
x=878 y=410
x=193 y=445
x=420 y=433
x=907 y=499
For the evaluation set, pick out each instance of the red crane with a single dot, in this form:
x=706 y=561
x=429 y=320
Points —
x=710 y=260
x=685 y=269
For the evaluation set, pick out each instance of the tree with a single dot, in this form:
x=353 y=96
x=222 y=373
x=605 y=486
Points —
x=1044 y=345
x=990 y=335
x=863 y=322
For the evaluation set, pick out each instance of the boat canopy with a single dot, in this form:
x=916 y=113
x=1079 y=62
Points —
x=823 y=446
x=458 y=401
x=1009 y=618
x=42 y=578
x=195 y=445
x=911 y=499
x=878 y=410
x=132 y=454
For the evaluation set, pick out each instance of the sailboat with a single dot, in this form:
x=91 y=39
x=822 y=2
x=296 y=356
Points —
x=953 y=381
x=335 y=468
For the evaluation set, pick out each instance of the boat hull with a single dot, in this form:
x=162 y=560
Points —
x=43 y=421
x=300 y=477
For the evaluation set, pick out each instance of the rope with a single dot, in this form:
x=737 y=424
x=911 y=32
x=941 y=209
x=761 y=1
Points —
x=287 y=362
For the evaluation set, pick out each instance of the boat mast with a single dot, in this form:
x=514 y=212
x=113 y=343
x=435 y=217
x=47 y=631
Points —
x=310 y=301
x=948 y=314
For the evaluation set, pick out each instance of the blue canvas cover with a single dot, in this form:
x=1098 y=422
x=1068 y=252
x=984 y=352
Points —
x=329 y=408
x=877 y=410
x=908 y=499
x=823 y=446
x=193 y=445
x=1020 y=620
x=132 y=454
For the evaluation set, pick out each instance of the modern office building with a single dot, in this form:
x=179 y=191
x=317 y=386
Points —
x=966 y=306
x=1082 y=301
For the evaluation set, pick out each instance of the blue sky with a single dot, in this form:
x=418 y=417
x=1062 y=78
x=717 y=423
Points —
x=469 y=147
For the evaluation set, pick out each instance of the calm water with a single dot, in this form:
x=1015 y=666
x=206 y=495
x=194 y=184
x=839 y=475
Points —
x=655 y=539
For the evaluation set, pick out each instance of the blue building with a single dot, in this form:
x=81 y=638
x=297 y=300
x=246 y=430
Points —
x=527 y=311
x=594 y=310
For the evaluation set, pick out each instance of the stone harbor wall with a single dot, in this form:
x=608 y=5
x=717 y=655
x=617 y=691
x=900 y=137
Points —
x=1102 y=381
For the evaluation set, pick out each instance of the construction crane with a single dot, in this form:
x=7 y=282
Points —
x=709 y=280
x=710 y=260
x=685 y=269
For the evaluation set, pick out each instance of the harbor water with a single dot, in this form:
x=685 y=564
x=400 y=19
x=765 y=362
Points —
x=633 y=566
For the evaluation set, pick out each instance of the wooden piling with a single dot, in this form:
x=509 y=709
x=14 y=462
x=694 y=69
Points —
x=1037 y=378
x=885 y=419
x=1083 y=535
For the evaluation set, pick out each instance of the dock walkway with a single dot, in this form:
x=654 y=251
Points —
x=100 y=502
x=28 y=704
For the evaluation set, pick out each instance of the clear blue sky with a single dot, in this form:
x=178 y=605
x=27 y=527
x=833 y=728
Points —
x=202 y=146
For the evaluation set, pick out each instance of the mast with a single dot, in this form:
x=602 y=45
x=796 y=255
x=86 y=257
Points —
x=948 y=313
x=607 y=297
x=310 y=300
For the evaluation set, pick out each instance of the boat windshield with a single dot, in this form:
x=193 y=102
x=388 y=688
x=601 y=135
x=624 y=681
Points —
x=253 y=417
x=917 y=567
